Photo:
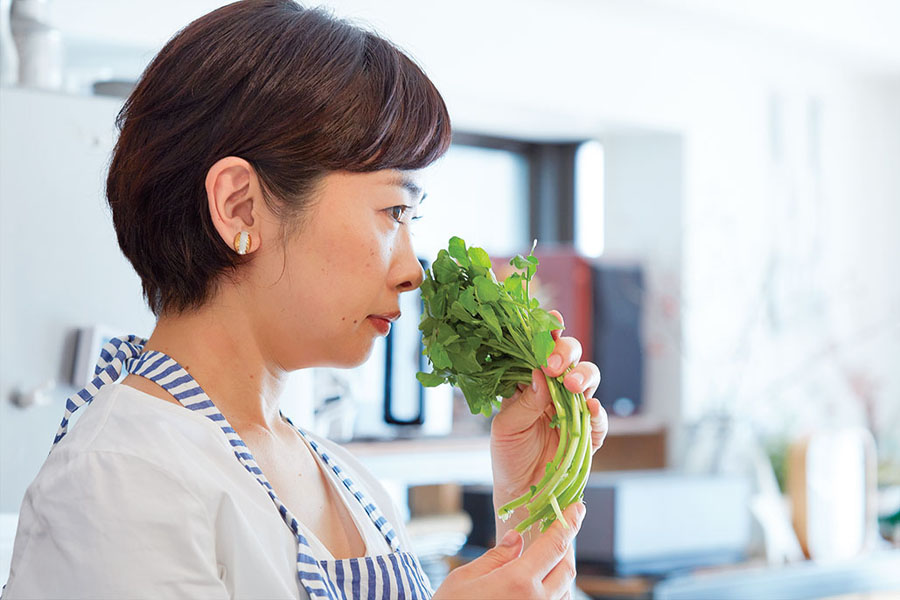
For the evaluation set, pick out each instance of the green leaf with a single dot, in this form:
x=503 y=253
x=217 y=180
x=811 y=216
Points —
x=446 y=335
x=428 y=286
x=460 y=314
x=437 y=305
x=479 y=257
x=467 y=299
x=519 y=262
x=445 y=270
x=430 y=379
x=439 y=357
x=451 y=292
x=490 y=319
x=544 y=321
x=510 y=309
x=473 y=394
x=465 y=362
x=528 y=263
x=486 y=290
x=507 y=390
x=457 y=249
x=427 y=325
x=542 y=344
x=513 y=283
x=473 y=341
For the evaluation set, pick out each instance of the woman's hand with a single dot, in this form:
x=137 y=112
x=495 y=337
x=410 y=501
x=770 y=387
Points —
x=546 y=569
x=522 y=442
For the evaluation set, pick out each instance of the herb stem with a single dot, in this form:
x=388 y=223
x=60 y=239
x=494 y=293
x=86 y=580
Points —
x=576 y=484
x=553 y=466
x=571 y=451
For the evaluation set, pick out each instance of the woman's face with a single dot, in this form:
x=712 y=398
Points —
x=343 y=270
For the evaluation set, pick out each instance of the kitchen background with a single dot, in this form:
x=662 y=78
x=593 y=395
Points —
x=716 y=187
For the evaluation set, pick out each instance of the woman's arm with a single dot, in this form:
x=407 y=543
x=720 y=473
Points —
x=102 y=524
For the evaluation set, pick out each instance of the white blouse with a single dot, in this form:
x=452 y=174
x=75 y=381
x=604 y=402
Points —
x=145 y=499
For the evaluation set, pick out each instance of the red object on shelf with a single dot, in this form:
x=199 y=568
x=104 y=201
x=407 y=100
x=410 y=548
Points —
x=563 y=283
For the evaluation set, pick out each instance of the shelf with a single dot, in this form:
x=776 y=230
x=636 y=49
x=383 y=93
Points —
x=428 y=445
x=427 y=461
x=636 y=425
x=632 y=443
x=618 y=426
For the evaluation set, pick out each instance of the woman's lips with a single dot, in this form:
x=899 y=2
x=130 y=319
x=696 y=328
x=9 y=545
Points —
x=381 y=324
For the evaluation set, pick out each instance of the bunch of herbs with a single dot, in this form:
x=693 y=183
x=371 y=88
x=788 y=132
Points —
x=486 y=337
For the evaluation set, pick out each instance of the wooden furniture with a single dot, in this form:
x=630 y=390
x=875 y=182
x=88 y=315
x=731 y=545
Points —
x=632 y=443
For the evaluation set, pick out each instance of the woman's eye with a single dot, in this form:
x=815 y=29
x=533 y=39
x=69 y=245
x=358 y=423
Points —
x=402 y=213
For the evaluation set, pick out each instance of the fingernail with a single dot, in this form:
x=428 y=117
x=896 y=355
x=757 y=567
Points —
x=555 y=362
x=510 y=539
x=580 y=510
x=578 y=378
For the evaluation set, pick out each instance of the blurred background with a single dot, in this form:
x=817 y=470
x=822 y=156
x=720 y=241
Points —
x=715 y=191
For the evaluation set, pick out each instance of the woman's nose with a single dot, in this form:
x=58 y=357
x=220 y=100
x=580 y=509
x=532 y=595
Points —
x=415 y=275
x=411 y=274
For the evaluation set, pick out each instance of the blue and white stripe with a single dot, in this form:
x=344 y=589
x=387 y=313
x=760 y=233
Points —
x=387 y=576
x=116 y=355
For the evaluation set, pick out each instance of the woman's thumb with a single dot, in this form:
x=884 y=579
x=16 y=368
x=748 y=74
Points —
x=531 y=404
x=509 y=548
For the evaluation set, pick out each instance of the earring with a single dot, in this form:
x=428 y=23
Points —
x=242 y=242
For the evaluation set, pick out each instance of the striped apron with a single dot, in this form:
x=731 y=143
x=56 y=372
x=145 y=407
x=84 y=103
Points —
x=394 y=575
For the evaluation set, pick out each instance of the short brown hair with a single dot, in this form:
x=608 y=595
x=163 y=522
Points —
x=295 y=92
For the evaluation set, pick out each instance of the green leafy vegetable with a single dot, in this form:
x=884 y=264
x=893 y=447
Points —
x=486 y=337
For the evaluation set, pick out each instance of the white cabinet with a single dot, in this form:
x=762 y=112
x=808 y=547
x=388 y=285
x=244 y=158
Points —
x=60 y=264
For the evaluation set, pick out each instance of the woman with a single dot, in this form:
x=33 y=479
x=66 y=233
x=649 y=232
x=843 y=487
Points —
x=262 y=187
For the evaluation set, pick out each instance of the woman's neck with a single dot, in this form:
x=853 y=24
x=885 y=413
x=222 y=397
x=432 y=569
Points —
x=218 y=349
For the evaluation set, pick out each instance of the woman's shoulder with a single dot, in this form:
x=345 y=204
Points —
x=145 y=432
x=106 y=494
x=124 y=419
x=120 y=443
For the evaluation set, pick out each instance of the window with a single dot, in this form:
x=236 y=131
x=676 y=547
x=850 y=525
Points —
x=589 y=199
x=478 y=193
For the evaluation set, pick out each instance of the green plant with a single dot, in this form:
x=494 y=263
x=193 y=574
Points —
x=486 y=337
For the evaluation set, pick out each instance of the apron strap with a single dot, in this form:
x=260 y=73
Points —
x=371 y=509
x=116 y=357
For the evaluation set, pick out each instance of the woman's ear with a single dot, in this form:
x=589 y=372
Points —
x=235 y=200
